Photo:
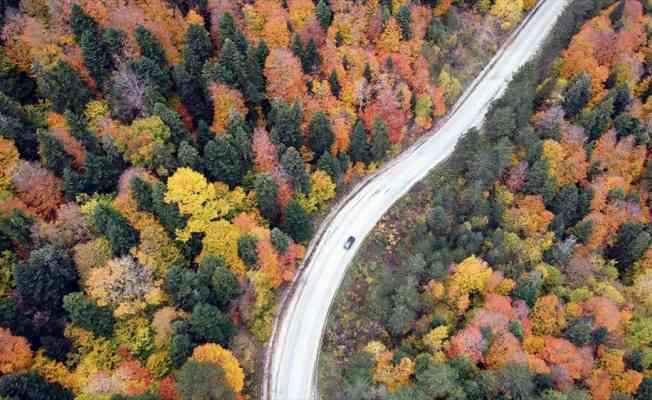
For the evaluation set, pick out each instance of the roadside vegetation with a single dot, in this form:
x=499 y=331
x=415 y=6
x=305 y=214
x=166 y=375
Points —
x=162 y=163
x=520 y=268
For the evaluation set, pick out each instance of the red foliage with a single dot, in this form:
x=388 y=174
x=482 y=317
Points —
x=38 y=188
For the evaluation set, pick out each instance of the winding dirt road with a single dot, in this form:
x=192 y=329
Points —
x=292 y=356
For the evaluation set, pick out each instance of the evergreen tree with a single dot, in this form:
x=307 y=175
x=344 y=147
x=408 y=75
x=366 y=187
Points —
x=297 y=223
x=577 y=95
x=188 y=156
x=153 y=75
x=121 y=235
x=359 y=148
x=31 y=386
x=81 y=22
x=209 y=324
x=330 y=165
x=294 y=166
x=334 y=83
x=312 y=59
x=247 y=249
x=172 y=120
x=320 y=134
x=192 y=94
x=379 y=140
x=87 y=314
x=197 y=51
x=280 y=240
x=597 y=120
x=224 y=282
x=299 y=52
x=229 y=31
x=142 y=193
x=53 y=155
x=616 y=15
x=65 y=88
x=150 y=46
x=324 y=14
x=97 y=56
x=45 y=277
x=404 y=19
x=367 y=72
x=267 y=197
x=285 y=124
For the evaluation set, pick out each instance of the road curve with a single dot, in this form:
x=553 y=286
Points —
x=292 y=355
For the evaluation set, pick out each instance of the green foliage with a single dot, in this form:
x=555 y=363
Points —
x=297 y=223
x=280 y=240
x=202 y=381
x=45 y=277
x=379 y=140
x=31 y=386
x=577 y=94
x=359 y=149
x=53 y=156
x=225 y=284
x=150 y=46
x=324 y=14
x=87 y=314
x=209 y=324
x=320 y=134
x=334 y=83
x=294 y=166
x=63 y=86
x=247 y=249
x=404 y=19
x=267 y=197
x=109 y=222
x=197 y=50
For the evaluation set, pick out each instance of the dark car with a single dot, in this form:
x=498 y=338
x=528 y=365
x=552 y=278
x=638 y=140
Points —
x=349 y=242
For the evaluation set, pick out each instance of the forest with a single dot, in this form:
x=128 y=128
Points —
x=522 y=267
x=163 y=164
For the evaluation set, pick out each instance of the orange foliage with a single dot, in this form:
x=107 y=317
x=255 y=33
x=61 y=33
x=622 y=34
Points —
x=563 y=354
x=216 y=354
x=504 y=349
x=15 y=355
x=284 y=76
x=225 y=102
x=38 y=189
x=528 y=216
x=265 y=153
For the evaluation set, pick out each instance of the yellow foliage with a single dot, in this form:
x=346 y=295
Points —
x=193 y=18
x=197 y=198
x=390 y=40
x=300 y=11
x=375 y=348
x=509 y=12
x=392 y=375
x=470 y=275
x=156 y=250
x=95 y=112
x=534 y=344
x=54 y=371
x=216 y=354
x=435 y=339
x=8 y=158
x=322 y=189
x=222 y=240
x=264 y=305
x=159 y=363
x=548 y=317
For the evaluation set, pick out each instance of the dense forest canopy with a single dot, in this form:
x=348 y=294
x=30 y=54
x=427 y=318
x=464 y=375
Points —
x=162 y=163
x=521 y=268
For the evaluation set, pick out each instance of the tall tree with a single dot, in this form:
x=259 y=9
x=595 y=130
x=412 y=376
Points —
x=359 y=148
x=320 y=134
x=379 y=140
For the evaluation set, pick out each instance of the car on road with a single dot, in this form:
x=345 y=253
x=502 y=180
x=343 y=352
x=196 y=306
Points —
x=349 y=242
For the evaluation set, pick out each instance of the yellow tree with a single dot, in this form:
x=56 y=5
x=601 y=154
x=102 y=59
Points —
x=216 y=354
x=196 y=198
x=222 y=240
x=548 y=317
x=322 y=189
x=390 y=40
x=508 y=11
x=471 y=275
